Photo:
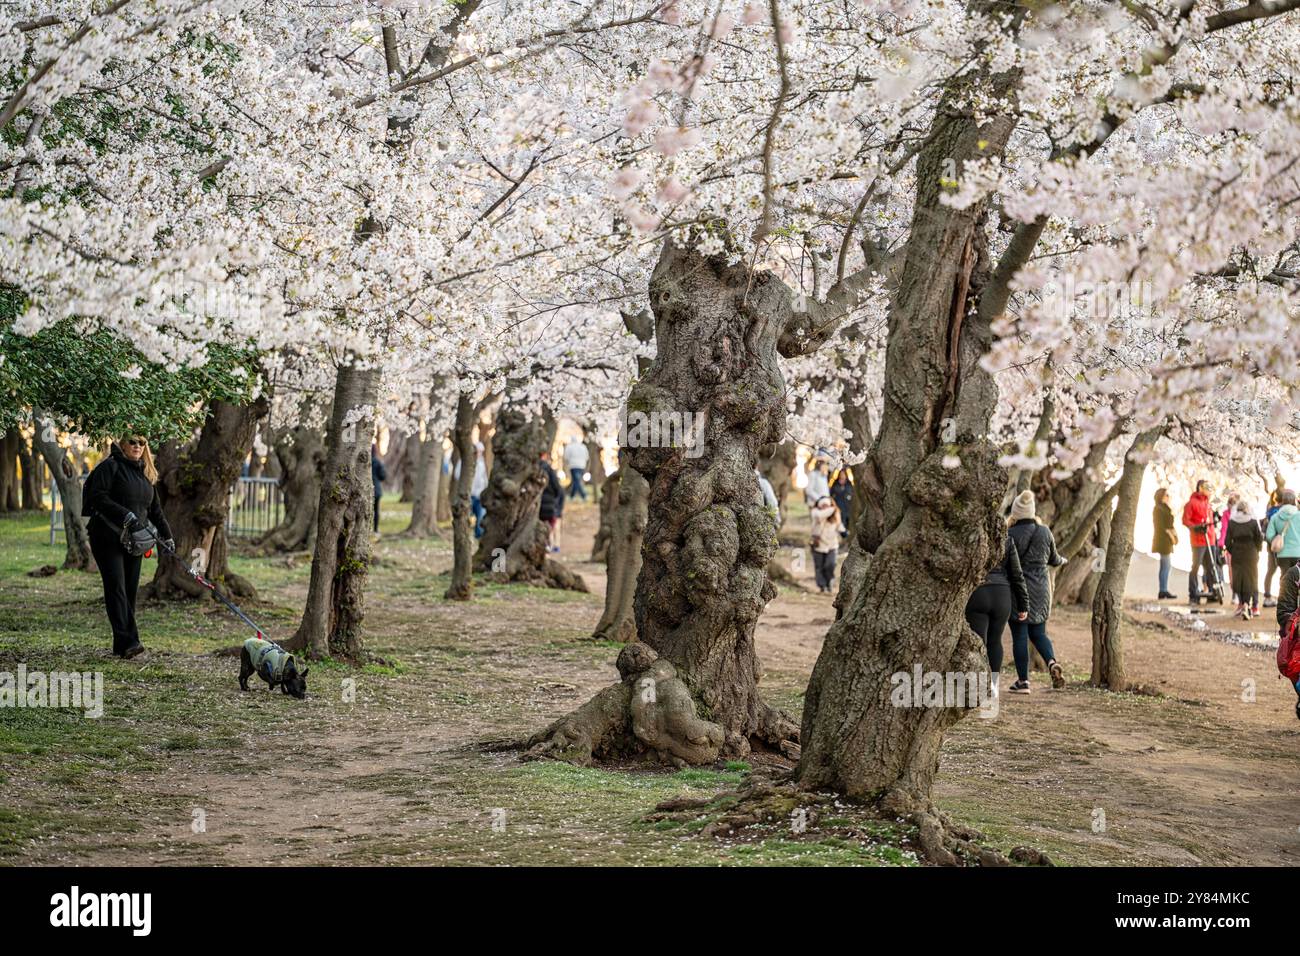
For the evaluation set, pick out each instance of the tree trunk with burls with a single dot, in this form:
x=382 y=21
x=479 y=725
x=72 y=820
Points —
x=1108 y=603
x=194 y=485
x=462 y=531
x=608 y=505
x=300 y=451
x=516 y=544
x=627 y=522
x=709 y=536
x=64 y=470
x=932 y=530
x=335 y=609
x=428 y=469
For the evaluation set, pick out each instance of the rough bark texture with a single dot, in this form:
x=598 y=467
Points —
x=608 y=504
x=1108 y=604
x=462 y=530
x=77 y=556
x=929 y=530
x=709 y=536
x=332 y=619
x=300 y=452
x=516 y=542
x=623 y=562
x=194 y=484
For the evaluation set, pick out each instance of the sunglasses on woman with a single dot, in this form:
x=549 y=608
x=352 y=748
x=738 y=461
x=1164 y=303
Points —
x=136 y=442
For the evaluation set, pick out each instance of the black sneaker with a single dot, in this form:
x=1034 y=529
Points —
x=135 y=650
x=1022 y=687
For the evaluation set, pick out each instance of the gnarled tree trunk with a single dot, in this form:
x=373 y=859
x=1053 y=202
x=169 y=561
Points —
x=428 y=471
x=194 y=484
x=516 y=542
x=627 y=522
x=608 y=505
x=77 y=556
x=335 y=609
x=10 y=489
x=709 y=536
x=932 y=529
x=300 y=451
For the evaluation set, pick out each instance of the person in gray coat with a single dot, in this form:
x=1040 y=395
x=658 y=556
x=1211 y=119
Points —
x=1037 y=549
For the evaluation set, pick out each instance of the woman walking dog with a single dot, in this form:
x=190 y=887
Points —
x=118 y=491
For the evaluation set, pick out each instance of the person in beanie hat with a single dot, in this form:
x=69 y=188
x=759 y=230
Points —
x=1037 y=550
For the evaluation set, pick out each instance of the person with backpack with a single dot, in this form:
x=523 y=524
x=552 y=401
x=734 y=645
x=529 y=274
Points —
x=1036 y=549
x=1283 y=532
x=992 y=605
x=1244 y=542
x=1288 y=647
x=118 y=491
x=826 y=528
x=1197 y=519
x=1164 y=540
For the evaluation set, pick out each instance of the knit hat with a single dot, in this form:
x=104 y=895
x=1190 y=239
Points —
x=1023 y=506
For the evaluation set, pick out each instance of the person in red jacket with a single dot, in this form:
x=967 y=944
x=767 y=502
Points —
x=1197 y=517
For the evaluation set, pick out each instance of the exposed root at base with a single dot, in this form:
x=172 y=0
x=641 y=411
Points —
x=651 y=711
x=778 y=801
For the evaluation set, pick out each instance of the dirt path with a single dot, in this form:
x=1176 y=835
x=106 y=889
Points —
x=1197 y=775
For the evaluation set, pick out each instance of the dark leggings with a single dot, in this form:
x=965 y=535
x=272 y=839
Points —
x=120 y=573
x=987 y=613
x=824 y=568
x=1022 y=632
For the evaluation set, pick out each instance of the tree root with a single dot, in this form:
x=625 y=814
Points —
x=776 y=800
x=649 y=711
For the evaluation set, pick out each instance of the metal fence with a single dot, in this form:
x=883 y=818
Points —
x=56 y=509
x=255 y=507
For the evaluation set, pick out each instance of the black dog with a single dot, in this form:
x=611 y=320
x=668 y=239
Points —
x=274 y=665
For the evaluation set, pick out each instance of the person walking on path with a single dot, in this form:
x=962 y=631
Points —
x=551 y=507
x=1165 y=540
x=1273 y=505
x=118 y=491
x=1282 y=526
x=818 y=485
x=1197 y=519
x=1003 y=595
x=1036 y=548
x=826 y=528
x=1244 y=541
x=842 y=495
x=378 y=475
x=576 y=458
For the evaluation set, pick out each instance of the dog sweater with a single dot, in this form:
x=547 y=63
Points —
x=269 y=659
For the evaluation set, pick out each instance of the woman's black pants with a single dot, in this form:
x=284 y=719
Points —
x=987 y=613
x=120 y=573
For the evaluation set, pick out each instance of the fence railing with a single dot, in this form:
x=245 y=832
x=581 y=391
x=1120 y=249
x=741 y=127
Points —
x=255 y=506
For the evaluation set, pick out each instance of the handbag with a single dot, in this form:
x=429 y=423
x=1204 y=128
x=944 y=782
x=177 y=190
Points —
x=1279 y=539
x=138 y=543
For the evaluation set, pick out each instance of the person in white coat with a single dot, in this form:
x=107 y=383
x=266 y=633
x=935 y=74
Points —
x=819 y=484
x=576 y=458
